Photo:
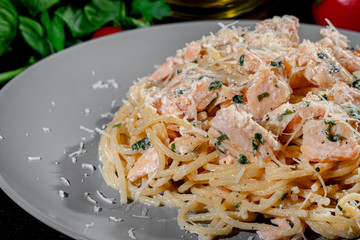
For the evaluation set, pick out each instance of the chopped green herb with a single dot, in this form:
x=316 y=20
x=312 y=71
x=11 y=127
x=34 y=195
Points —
x=179 y=92
x=262 y=96
x=219 y=140
x=324 y=96
x=353 y=111
x=238 y=99
x=322 y=55
x=339 y=207
x=117 y=125
x=307 y=103
x=173 y=147
x=290 y=223
x=178 y=71
x=202 y=76
x=351 y=49
x=241 y=60
x=243 y=159
x=258 y=139
x=195 y=148
x=215 y=85
x=329 y=135
x=143 y=144
x=277 y=86
x=195 y=61
x=334 y=69
x=317 y=169
x=237 y=205
x=355 y=84
x=287 y=112
x=276 y=63
x=282 y=198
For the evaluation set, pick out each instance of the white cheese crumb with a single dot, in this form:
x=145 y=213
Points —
x=105 y=199
x=131 y=233
x=141 y=216
x=115 y=219
x=97 y=209
x=87 y=111
x=63 y=194
x=65 y=181
x=89 y=225
x=86 y=129
x=88 y=166
x=46 y=130
x=34 y=159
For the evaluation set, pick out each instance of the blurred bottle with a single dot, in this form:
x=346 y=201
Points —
x=212 y=9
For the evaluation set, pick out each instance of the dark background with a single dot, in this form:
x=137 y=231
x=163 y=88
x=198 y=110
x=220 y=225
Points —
x=15 y=223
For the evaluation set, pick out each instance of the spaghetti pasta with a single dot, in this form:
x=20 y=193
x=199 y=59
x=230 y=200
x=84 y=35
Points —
x=245 y=129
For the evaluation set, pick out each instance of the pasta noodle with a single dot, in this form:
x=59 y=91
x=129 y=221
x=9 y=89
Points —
x=248 y=130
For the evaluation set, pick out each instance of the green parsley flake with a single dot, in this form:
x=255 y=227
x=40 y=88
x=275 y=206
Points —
x=339 y=207
x=353 y=111
x=117 y=125
x=282 y=198
x=241 y=60
x=329 y=135
x=141 y=144
x=276 y=63
x=238 y=99
x=322 y=55
x=195 y=61
x=215 y=85
x=219 y=140
x=242 y=159
x=290 y=223
x=317 y=169
x=324 y=96
x=355 y=84
x=173 y=147
x=287 y=112
x=237 y=205
x=262 y=96
x=258 y=139
x=334 y=69
x=351 y=49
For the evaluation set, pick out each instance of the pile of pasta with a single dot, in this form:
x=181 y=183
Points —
x=246 y=129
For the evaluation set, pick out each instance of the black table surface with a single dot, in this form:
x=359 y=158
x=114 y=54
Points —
x=15 y=223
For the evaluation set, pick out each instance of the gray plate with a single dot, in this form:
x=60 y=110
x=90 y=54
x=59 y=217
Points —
x=43 y=108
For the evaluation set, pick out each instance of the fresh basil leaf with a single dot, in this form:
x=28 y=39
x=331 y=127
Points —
x=151 y=9
x=38 y=6
x=8 y=24
x=55 y=31
x=34 y=35
x=93 y=16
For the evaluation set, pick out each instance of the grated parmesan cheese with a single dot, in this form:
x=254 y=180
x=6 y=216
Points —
x=131 y=233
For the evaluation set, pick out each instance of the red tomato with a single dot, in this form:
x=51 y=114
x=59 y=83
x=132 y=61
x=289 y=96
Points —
x=341 y=13
x=106 y=31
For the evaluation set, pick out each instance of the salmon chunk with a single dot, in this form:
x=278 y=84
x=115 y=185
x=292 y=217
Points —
x=235 y=132
x=277 y=120
x=165 y=70
x=147 y=163
x=320 y=67
x=266 y=92
x=190 y=91
x=185 y=144
x=282 y=223
x=327 y=141
x=192 y=52
x=276 y=33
